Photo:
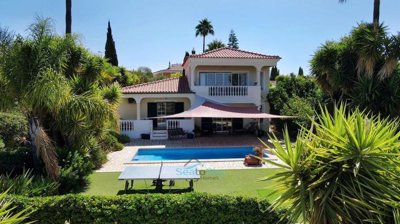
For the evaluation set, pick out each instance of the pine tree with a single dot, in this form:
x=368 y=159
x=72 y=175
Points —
x=274 y=73
x=301 y=72
x=233 y=41
x=111 y=52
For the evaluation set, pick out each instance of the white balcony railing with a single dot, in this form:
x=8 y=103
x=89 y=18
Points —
x=126 y=125
x=186 y=124
x=227 y=90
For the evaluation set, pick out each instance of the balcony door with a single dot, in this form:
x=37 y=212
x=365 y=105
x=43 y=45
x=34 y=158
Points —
x=161 y=109
x=223 y=79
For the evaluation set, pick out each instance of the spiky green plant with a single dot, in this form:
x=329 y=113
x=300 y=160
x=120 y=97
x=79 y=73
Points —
x=345 y=171
x=7 y=215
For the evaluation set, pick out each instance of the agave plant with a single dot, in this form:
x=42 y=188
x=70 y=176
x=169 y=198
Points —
x=6 y=212
x=345 y=171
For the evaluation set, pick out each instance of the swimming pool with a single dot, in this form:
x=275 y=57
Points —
x=162 y=154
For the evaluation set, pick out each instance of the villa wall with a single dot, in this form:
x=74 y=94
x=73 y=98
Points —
x=127 y=111
x=143 y=104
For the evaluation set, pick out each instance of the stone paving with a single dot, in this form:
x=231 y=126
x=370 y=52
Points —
x=118 y=160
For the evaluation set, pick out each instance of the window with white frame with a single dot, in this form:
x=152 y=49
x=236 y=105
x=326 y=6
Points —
x=223 y=79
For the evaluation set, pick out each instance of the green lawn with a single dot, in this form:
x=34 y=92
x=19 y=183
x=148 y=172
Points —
x=231 y=182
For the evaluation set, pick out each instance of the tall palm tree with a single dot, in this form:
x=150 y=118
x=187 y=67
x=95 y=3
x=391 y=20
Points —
x=377 y=4
x=204 y=28
x=68 y=16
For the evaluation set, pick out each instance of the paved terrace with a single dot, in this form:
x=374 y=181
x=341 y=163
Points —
x=118 y=160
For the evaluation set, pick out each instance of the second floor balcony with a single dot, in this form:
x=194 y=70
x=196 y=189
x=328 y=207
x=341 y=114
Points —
x=230 y=94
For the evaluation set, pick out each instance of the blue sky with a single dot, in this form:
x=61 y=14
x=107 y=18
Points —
x=152 y=33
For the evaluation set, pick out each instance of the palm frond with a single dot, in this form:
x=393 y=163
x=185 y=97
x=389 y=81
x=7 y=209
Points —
x=45 y=150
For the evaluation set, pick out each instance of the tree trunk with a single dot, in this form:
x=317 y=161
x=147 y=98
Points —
x=376 y=12
x=204 y=43
x=68 y=16
x=33 y=126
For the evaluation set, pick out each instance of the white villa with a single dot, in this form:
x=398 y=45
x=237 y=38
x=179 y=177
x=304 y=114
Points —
x=220 y=91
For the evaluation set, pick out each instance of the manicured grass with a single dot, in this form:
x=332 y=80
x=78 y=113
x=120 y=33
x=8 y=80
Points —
x=231 y=182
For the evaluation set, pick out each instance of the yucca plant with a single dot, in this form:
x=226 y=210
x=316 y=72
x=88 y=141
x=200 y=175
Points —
x=345 y=171
x=7 y=215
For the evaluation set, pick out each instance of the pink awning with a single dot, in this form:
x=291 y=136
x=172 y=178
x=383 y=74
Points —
x=212 y=110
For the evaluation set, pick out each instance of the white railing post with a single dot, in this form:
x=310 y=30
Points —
x=228 y=91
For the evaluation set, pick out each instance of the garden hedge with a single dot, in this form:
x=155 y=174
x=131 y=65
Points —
x=149 y=208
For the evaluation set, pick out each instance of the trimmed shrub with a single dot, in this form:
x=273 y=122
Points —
x=124 y=139
x=110 y=143
x=74 y=172
x=13 y=128
x=15 y=160
x=150 y=208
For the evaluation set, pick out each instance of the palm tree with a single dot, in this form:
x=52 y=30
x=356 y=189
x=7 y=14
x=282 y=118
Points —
x=62 y=90
x=215 y=44
x=204 y=28
x=68 y=16
x=377 y=4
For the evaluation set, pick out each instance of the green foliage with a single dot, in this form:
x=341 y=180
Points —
x=74 y=172
x=13 y=128
x=345 y=171
x=295 y=96
x=67 y=94
x=15 y=160
x=299 y=107
x=233 y=41
x=215 y=44
x=111 y=52
x=361 y=69
x=274 y=73
x=176 y=75
x=8 y=214
x=151 y=208
x=127 y=78
x=110 y=142
x=124 y=139
x=28 y=185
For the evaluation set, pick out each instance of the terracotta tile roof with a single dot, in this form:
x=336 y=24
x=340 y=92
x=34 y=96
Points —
x=226 y=52
x=172 y=85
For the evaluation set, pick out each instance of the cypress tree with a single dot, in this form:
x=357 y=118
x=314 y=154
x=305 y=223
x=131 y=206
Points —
x=111 y=52
x=274 y=73
x=301 y=72
x=233 y=41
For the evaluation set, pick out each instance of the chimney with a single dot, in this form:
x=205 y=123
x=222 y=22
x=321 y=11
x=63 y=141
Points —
x=193 y=51
x=169 y=64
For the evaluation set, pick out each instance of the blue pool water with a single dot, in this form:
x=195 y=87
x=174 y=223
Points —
x=160 y=154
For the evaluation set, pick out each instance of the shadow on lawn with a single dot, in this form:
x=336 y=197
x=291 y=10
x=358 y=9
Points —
x=153 y=191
